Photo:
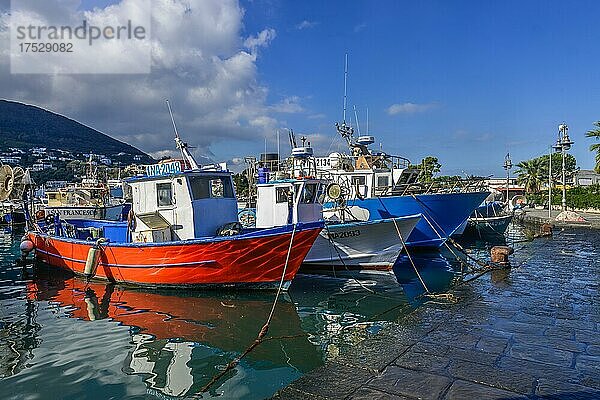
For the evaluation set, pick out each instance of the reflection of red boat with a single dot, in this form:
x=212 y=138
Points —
x=228 y=322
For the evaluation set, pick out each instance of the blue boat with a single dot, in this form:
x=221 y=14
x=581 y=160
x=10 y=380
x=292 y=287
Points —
x=442 y=213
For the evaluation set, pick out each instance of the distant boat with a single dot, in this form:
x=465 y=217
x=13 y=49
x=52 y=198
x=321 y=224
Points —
x=489 y=219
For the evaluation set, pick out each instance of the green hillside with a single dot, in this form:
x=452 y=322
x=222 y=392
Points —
x=24 y=126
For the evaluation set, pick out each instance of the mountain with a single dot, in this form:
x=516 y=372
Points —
x=24 y=126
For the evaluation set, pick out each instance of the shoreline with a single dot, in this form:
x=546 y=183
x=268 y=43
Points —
x=523 y=333
x=539 y=217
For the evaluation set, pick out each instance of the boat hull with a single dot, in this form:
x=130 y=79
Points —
x=361 y=245
x=488 y=226
x=444 y=211
x=254 y=259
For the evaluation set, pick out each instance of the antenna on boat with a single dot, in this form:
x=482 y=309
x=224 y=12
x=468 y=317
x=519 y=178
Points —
x=345 y=87
x=356 y=118
x=187 y=156
x=367 y=121
x=292 y=138
x=346 y=131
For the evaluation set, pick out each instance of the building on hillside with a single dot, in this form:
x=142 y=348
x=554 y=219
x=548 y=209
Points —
x=586 y=177
x=10 y=159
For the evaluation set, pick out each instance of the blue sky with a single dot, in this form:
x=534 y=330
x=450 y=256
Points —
x=466 y=81
x=492 y=76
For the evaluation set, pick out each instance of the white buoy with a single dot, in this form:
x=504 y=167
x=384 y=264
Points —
x=91 y=263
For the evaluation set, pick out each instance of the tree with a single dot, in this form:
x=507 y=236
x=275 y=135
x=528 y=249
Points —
x=595 y=133
x=570 y=165
x=428 y=166
x=531 y=174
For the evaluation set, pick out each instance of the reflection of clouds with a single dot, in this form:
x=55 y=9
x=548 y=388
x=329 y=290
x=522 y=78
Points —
x=168 y=365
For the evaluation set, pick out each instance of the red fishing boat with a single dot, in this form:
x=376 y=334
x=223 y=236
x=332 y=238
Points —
x=182 y=231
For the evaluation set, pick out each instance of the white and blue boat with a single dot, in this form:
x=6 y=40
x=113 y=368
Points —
x=347 y=243
x=379 y=186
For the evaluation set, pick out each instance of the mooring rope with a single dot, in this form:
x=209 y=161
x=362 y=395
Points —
x=260 y=338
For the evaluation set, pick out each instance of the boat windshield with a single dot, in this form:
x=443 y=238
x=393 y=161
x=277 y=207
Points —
x=206 y=187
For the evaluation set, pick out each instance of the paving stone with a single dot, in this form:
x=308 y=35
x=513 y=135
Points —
x=372 y=394
x=492 y=345
x=453 y=338
x=423 y=362
x=341 y=380
x=407 y=382
x=577 y=324
x=518 y=327
x=589 y=337
x=562 y=332
x=376 y=353
x=515 y=381
x=589 y=364
x=541 y=354
x=539 y=370
x=534 y=319
x=461 y=390
x=593 y=350
x=293 y=394
x=551 y=389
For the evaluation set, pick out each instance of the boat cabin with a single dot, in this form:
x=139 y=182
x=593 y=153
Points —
x=181 y=205
x=287 y=201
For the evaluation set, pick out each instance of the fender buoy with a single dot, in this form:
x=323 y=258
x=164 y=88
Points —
x=131 y=224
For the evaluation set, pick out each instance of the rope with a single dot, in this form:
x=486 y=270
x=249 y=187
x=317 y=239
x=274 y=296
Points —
x=405 y=248
x=260 y=338
x=450 y=297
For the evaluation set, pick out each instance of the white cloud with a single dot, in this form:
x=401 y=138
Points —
x=306 y=25
x=409 y=108
x=289 y=105
x=261 y=40
x=200 y=60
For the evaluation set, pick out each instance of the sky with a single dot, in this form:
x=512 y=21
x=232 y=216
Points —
x=465 y=81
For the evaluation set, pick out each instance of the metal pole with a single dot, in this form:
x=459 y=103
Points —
x=550 y=186
x=507 y=184
x=564 y=182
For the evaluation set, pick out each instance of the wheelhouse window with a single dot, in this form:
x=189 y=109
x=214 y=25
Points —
x=164 y=194
x=206 y=187
x=359 y=180
x=309 y=193
x=383 y=181
x=282 y=194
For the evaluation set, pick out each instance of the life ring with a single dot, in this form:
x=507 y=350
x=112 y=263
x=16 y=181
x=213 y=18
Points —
x=40 y=215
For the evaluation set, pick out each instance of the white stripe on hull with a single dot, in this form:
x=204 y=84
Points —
x=361 y=244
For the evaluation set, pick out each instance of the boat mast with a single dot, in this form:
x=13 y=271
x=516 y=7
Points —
x=344 y=130
x=183 y=147
x=345 y=88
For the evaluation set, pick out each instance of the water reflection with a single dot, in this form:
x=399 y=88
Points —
x=103 y=340
x=181 y=339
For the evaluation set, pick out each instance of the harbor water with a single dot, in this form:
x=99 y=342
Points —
x=61 y=337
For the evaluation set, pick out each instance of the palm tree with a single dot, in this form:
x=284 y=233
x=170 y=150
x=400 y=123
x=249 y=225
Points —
x=531 y=174
x=595 y=133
